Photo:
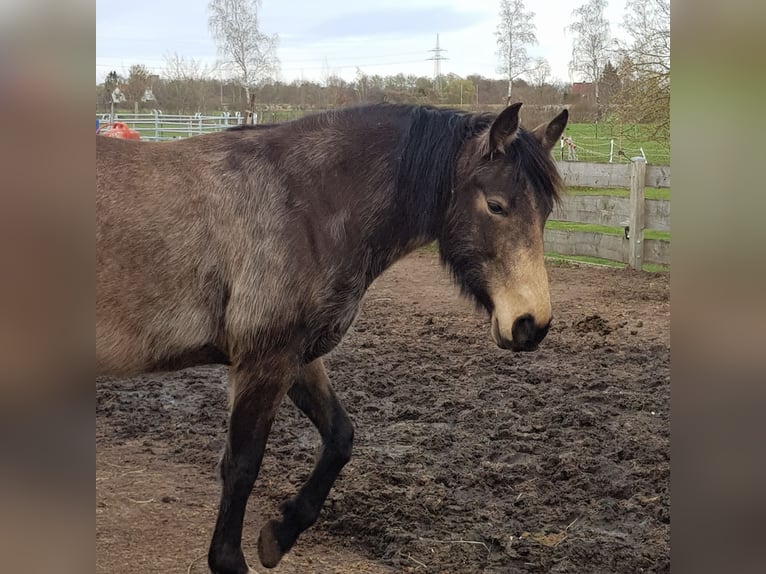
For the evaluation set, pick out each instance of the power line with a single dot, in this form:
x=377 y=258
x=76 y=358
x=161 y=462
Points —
x=289 y=69
x=296 y=64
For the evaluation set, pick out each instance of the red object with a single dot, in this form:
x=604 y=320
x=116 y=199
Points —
x=120 y=130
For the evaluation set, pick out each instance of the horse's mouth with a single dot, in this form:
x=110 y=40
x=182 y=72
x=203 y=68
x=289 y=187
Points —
x=526 y=337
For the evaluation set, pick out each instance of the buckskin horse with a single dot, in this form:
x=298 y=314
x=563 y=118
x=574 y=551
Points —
x=254 y=247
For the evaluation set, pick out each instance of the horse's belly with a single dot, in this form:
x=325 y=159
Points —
x=149 y=338
x=325 y=338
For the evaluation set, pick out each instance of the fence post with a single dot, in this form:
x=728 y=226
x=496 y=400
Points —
x=637 y=212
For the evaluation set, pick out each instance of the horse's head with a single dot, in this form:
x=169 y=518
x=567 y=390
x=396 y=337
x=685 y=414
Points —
x=492 y=239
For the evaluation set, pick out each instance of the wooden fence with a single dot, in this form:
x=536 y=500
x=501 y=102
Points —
x=634 y=213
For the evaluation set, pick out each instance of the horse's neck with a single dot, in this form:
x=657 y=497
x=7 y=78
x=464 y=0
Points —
x=403 y=229
x=407 y=204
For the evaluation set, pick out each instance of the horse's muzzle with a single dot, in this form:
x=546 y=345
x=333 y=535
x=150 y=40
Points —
x=526 y=334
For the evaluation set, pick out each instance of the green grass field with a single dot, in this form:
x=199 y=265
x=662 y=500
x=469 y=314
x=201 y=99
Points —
x=591 y=228
x=649 y=192
x=593 y=143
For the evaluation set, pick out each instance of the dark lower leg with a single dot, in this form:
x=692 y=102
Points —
x=313 y=395
x=257 y=398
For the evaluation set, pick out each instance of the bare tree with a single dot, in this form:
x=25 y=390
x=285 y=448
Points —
x=645 y=65
x=111 y=81
x=184 y=84
x=361 y=84
x=648 y=24
x=540 y=73
x=136 y=85
x=590 y=49
x=178 y=67
x=249 y=52
x=515 y=32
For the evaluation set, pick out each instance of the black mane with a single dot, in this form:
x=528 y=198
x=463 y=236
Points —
x=428 y=152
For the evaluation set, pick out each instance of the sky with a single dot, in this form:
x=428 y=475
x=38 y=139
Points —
x=316 y=36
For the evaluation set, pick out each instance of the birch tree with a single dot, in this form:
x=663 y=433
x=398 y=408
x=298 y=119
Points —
x=590 y=49
x=515 y=32
x=645 y=64
x=648 y=24
x=250 y=53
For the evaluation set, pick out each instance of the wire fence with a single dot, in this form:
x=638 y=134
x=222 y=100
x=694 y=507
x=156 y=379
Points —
x=609 y=152
x=156 y=126
x=619 y=143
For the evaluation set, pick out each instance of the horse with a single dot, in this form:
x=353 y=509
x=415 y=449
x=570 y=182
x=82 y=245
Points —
x=253 y=248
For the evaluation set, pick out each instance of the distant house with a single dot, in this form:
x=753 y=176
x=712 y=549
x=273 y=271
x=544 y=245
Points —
x=149 y=94
x=117 y=96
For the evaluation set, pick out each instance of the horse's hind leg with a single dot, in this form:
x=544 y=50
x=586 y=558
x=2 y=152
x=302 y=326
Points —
x=313 y=395
x=256 y=389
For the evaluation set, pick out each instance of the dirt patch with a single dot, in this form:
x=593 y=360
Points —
x=593 y=323
x=467 y=458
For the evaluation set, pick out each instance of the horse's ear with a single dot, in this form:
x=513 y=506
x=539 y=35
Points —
x=504 y=128
x=549 y=133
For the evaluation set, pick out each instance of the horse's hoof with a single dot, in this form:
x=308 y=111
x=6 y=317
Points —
x=222 y=559
x=249 y=570
x=269 y=550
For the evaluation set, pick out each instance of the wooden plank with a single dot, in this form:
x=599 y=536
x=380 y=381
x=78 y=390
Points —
x=595 y=209
x=610 y=211
x=584 y=174
x=637 y=214
x=604 y=246
x=657 y=252
x=658 y=214
x=658 y=176
x=612 y=247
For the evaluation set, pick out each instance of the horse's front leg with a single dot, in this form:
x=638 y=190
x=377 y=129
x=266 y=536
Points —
x=256 y=390
x=313 y=395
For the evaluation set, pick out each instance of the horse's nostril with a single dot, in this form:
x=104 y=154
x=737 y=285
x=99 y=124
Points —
x=526 y=334
x=523 y=330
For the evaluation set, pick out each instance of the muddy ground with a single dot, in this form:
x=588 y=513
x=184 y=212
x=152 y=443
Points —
x=467 y=458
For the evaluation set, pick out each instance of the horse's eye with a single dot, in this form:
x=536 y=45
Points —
x=495 y=208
